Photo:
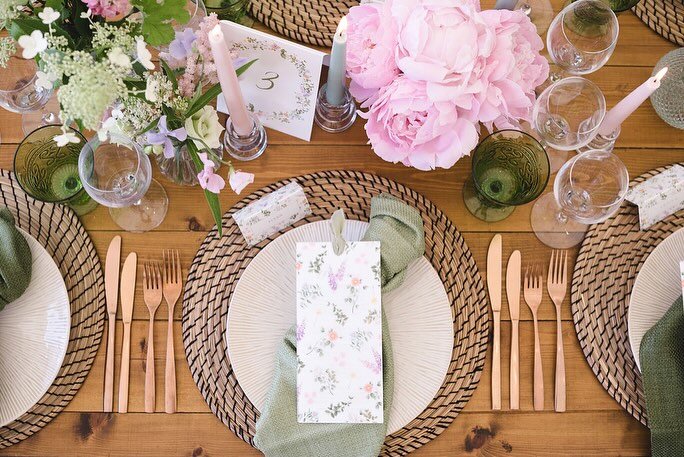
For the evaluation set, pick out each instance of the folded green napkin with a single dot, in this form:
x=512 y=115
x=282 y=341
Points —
x=15 y=260
x=399 y=228
x=662 y=365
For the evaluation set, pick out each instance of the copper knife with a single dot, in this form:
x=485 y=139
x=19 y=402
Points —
x=112 y=266
x=494 y=288
x=128 y=275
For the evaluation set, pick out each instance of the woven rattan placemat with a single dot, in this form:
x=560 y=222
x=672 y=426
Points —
x=665 y=17
x=219 y=263
x=57 y=228
x=610 y=258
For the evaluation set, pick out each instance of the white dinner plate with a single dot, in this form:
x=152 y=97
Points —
x=34 y=334
x=656 y=287
x=419 y=317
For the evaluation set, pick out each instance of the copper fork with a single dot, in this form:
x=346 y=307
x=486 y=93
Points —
x=557 y=285
x=152 y=293
x=532 y=290
x=173 y=285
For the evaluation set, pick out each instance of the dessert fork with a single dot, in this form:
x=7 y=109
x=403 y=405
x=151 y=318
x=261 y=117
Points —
x=173 y=285
x=557 y=284
x=152 y=293
x=532 y=290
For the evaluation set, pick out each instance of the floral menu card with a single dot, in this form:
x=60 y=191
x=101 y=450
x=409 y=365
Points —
x=339 y=333
x=282 y=85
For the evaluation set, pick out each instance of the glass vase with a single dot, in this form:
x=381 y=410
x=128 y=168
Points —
x=231 y=10
x=180 y=168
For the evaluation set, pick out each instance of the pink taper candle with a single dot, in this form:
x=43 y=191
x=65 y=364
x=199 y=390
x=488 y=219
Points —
x=625 y=107
x=230 y=87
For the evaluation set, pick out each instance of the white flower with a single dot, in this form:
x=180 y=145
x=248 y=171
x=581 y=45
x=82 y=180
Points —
x=204 y=128
x=33 y=44
x=48 y=15
x=117 y=57
x=66 y=138
x=144 y=56
x=45 y=80
x=151 y=90
x=86 y=14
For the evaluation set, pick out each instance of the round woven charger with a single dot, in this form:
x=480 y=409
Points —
x=57 y=228
x=665 y=17
x=610 y=258
x=220 y=262
x=309 y=21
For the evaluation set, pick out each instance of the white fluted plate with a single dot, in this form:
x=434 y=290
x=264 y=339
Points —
x=419 y=317
x=656 y=287
x=34 y=334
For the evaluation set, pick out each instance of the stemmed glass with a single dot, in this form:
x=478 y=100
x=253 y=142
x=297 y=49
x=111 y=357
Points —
x=118 y=174
x=509 y=168
x=588 y=189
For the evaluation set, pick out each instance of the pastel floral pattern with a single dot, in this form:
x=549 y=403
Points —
x=339 y=334
x=659 y=196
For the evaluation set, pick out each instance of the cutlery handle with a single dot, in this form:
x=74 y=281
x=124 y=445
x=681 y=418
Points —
x=515 y=377
x=560 y=365
x=125 y=365
x=109 y=367
x=538 y=373
x=496 y=363
x=149 y=369
x=170 y=375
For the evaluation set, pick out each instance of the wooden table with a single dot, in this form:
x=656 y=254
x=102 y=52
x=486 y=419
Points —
x=594 y=422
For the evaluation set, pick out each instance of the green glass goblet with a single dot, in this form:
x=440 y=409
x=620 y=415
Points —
x=49 y=173
x=510 y=168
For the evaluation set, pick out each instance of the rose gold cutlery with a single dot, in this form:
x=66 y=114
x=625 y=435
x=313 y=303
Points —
x=152 y=292
x=557 y=286
x=533 y=296
x=173 y=285
x=128 y=275
x=494 y=288
x=513 y=296
x=112 y=266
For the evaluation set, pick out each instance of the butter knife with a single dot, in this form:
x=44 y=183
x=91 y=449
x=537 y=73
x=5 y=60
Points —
x=112 y=266
x=513 y=295
x=494 y=288
x=127 y=296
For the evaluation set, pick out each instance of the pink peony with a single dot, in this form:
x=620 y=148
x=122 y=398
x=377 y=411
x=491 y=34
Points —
x=108 y=8
x=405 y=125
x=371 y=40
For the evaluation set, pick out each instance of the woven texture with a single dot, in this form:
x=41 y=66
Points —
x=665 y=17
x=309 y=21
x=220 y=261
x=57 y=228
x=610 y=258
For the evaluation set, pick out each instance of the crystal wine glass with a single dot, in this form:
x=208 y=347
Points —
x=118 y=174
x=588 y=189
x=568 y=113
x=582 y=37
x=509 y=168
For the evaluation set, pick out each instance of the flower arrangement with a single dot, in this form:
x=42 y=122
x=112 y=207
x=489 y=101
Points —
x=430 y=72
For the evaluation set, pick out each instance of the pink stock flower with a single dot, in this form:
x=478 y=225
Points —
x=199 y=64
x=371 y=40
x=108 y=8
x=239 y=180
x=404 y=125
x=207 y=178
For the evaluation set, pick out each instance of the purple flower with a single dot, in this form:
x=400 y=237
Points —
x=163 y=136
x=181 y=46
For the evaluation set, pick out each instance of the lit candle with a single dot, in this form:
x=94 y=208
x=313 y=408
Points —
x=334 y=91
x=625 y=107
x=505 y=4
x=230 y=87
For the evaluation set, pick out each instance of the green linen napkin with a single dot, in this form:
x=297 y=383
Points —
x=399 y=228
x=662 y=365
x=15 y=260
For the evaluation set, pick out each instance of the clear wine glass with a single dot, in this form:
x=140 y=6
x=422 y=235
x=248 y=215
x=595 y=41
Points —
x=568 y=113
x=588 y=189
x=118 y=174
x=582 y=37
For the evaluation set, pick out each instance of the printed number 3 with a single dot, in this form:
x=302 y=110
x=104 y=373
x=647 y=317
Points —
x=269 y=76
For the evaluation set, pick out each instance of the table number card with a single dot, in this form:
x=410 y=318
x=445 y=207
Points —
x=282 y=85
x=339 y=333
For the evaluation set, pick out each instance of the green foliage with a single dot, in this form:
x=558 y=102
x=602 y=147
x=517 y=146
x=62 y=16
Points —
x=156 y=27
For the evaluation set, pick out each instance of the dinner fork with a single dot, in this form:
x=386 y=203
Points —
x=557 y=284
x=152 y=293
x=173 y=285
x=532 y=291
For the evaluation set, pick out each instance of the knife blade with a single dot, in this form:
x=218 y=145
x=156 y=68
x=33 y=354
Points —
x=112 y=265
x=494 y=288
x=128 y=275
x=513 y=296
